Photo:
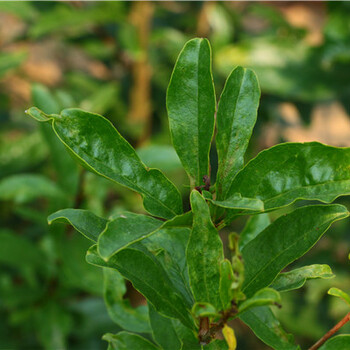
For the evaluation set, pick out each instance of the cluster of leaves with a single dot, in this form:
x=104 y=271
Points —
x=176 y=259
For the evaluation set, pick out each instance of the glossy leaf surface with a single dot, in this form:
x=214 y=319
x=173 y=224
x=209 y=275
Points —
x=287 y=172
x=100 y=148
x=124 y=230
x=266 y=327
x=148 y=276
x=84 y=221
x=236 y=117
x=119 y=309
x=204 y=254
x=336 y=343
x=295 y=279
x=163 y=331
x=191 y=107
x=285 y=240
x=265 y=296
x=127 y=341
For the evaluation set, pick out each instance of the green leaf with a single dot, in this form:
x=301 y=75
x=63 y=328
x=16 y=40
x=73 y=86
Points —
x=216 y=344
x=236 y=201
x=84 y=221
x=204 y=310
x=168 y=246
x=284 y=173
x=204 y=254
x=128 y=341
x=148 y=276
x=339 y=293
x=119 y=309
x=125 y=230
x=266 y=327
x=100 y=148
x=163 y=330
x=285 y=240
x=24 y=188
x=191 y=106
x=338 y=342
x=226 y=281
x=253 y=227
x=295 y=279
x=265 y=296
x=236 y=117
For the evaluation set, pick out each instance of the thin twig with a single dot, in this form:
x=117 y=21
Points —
x=331 y=332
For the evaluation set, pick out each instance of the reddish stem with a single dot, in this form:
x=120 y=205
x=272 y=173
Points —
x=331 y=332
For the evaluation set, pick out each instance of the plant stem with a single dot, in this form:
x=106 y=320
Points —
x=331 y=332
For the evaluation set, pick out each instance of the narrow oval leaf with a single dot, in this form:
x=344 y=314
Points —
x=100 y=148
x=266 y=327
x=252 y=228
x=295 y=279
x=285 y=240
x=284 y=173
x=340 y=294
x=204 y=254
x=265 y=296
x=226 y=281
x=163 y=330
x=191 y=106
x=149 y=277
x=236 y=117
x=338 y=342
x=119 y=309
x=236 y=201
x=128 y=341
x=84 y=221
x=125 y=230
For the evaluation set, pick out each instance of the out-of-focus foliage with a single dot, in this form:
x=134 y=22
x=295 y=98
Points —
x=115 y=58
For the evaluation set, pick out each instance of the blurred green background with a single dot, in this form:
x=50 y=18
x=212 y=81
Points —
x=115 y=59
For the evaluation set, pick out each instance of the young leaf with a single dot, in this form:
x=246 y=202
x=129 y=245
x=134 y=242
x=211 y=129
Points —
x=204 y=310
x=265 y=296
x=295 y=279
x=266 y=327
x=284 y=173
x=163 y=330
x=285 y=240
x=128 y=341
x=253 y=227
x=236 y=117
x=236 y=201
x=119 y=309
x=148 y=276
x=191 y=106
x=338 y=342
x=125 y=230
x=99 y=147
x=226 y=281
x=204 y=254
x=339 y=293
x=84 y=221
